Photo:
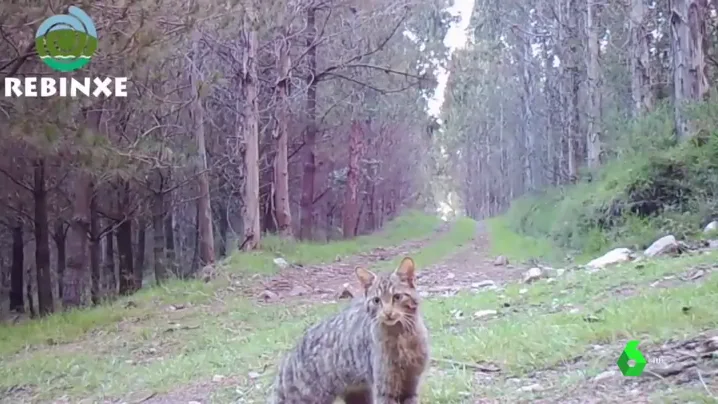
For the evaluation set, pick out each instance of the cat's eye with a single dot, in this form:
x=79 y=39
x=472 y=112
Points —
x=376 y=300
x=396 y=297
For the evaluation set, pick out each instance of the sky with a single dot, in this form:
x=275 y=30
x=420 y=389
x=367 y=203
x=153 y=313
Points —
x=455 y=39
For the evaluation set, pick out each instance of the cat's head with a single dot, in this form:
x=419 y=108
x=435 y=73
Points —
x=391 y=298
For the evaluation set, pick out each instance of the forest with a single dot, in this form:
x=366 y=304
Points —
x=265 y=149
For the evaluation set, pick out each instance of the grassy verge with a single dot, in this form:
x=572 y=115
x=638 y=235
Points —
x=461 y=233
x=534 y=330
x=520 y=247
x=409 y=226
x=68 y=326
x=652 y=186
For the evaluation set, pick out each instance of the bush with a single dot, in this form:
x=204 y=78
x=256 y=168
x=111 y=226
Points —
x=643 y=193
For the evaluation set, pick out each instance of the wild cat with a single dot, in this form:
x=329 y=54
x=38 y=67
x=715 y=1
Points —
x=374 y=351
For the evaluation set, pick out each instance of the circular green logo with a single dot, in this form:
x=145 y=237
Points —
x=66 y=42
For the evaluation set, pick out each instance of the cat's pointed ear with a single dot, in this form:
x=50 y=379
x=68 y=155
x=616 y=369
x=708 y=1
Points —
x=406 y=271
x=365 y=276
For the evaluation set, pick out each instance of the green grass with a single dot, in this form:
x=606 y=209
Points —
x=461 y=233
x=652 y=186
x=534 y=332
x=68 y=326
x=409 y=226
x=519 y=247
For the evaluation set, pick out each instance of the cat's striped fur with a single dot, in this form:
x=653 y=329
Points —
x=373 y=351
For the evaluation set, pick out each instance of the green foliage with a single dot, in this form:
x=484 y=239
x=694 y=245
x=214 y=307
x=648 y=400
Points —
x=518 y=247
x=652 y=187
x=411 y=225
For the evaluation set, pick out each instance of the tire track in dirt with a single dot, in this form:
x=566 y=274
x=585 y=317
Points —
x=470 y=267
x=325 y=281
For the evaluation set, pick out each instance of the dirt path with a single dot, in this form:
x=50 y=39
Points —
x=471 y=267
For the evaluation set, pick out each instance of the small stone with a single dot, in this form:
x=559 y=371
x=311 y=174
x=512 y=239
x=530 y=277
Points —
x=268 y=296
x=560 y=271
x=345 y=293
x=712 y=244
x=298 y=291
x=281 y=262
x=532 y=387
x=605 y=375
x=451 y=275
x=194 y=402
x=501 y=261
x=484 y=313
x=615 y=256
x=253 y=375
x=218 y=378
x=663 y=246
x=458 y=314
x=522 y=291
x=533 y=274
x=483 y=284
x=711 y=227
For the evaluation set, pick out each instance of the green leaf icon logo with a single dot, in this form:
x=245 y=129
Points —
x=631 y=352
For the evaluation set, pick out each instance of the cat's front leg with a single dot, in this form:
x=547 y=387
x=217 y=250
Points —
x=378 y=398
x=410 y=400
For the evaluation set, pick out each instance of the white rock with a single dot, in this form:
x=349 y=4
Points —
x=710 y=227
x=217 y=378
x=484 y=313
x=483 y=284
x=281 y=262
x=560 y=271
x=615 y=256
x=346 y=292
x=501 y=261
x=533 y=274
x=522 y=291
x=268 y=296
x=298 y=291
x=533 y=387
x=662 y=246
x=605 y=375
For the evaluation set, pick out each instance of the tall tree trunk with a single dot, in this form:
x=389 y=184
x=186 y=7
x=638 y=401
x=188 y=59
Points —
x=351 y=208
x=529 y=132
x=158 y=237
x=594 y=86
x=250 y=84
x=124 y=248
x=281 y=161
x=16 y=270
x=95 y=252
x=78 y=265
x=641 y=92
x=60 y=238
x=42 y=242
x=690 y=81
x=110 y=280
x=222 y=225
x=573 y=40
x=310 y=137
x=204 y=218
x=171 y=253
x=140 y=256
